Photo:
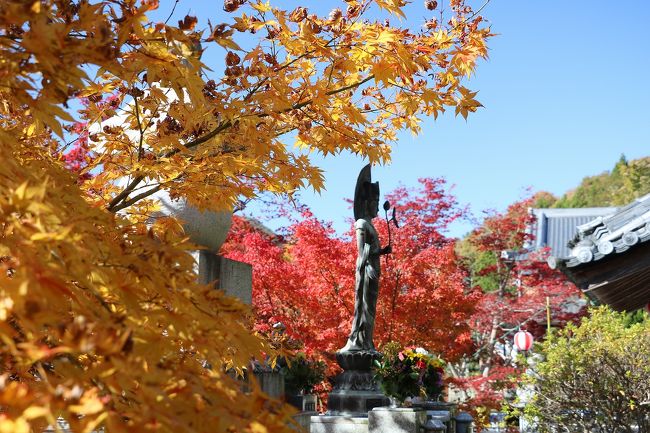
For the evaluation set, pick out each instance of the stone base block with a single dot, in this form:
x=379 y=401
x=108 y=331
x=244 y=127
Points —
x=338 y=424
x=354 y=403
x=396 y=420
x=303 y=421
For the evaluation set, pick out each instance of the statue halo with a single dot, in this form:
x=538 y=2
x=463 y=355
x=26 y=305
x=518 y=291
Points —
x=362 y=192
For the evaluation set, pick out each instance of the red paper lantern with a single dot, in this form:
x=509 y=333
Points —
x=523 y=341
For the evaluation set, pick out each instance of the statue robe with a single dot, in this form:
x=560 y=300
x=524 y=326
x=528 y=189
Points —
x=366 y=287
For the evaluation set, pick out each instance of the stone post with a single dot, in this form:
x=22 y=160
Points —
x=233 y=277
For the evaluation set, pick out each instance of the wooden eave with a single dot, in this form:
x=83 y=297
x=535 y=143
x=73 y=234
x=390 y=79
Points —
x=619 y=280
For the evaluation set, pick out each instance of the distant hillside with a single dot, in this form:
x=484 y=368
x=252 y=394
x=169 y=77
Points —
x=625 y=182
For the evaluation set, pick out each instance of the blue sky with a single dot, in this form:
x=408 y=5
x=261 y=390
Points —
x=565 y=92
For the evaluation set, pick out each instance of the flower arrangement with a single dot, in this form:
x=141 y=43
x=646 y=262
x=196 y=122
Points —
x=410 y=372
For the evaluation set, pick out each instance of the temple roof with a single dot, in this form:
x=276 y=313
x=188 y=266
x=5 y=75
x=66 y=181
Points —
x=613 y=233
x=609 y=257
x=554 y=228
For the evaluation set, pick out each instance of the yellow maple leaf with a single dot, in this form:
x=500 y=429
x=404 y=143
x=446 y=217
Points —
x=256 y=427
x=262 y=7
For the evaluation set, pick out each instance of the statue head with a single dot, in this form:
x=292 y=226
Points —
x=366 y=195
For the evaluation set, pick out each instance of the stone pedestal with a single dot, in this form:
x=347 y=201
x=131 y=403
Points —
x=396 y=420
x=339 y=424
x=355 y=391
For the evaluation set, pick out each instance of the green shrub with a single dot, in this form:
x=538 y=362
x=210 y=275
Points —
x=302 y=373
x=595 y=377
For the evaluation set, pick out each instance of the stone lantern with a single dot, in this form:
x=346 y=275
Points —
x=464 y=422
x=205 y=228
x=434 y=426
x=209 y=229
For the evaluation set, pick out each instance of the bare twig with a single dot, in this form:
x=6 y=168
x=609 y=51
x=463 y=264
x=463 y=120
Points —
x=172 y=12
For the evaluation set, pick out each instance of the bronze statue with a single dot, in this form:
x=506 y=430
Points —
x=356 y=391
x=366 y=207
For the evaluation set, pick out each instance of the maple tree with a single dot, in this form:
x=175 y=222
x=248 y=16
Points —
x=515 y=293
x=305 y=278
x=101 y=319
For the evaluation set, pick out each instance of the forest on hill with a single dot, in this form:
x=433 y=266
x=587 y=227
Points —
x=626 y=181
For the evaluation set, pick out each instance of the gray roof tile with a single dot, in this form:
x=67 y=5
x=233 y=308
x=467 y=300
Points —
x=608 y=234
x=554 y=228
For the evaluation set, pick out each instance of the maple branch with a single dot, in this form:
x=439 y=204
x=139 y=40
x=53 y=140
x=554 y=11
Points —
x=118 y=202
x=125 y=192
x=331 y=280
x=132 y=186
x=510 y=331
x=332 y=128
x=137 y=118
x=263 y=81
x=393 y=304
x=198 y=306
x=154 y=114
x=228 y=123
x=282 y=67
x=222 y=127
x=477 y=11
x=406 y=89
x=351 y=86
x=134 y=199
x=267 y=292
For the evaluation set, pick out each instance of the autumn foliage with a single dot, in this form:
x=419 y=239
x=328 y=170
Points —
x=463 y=301
x=305 y=279
x=101 y=320
x=515 y=290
